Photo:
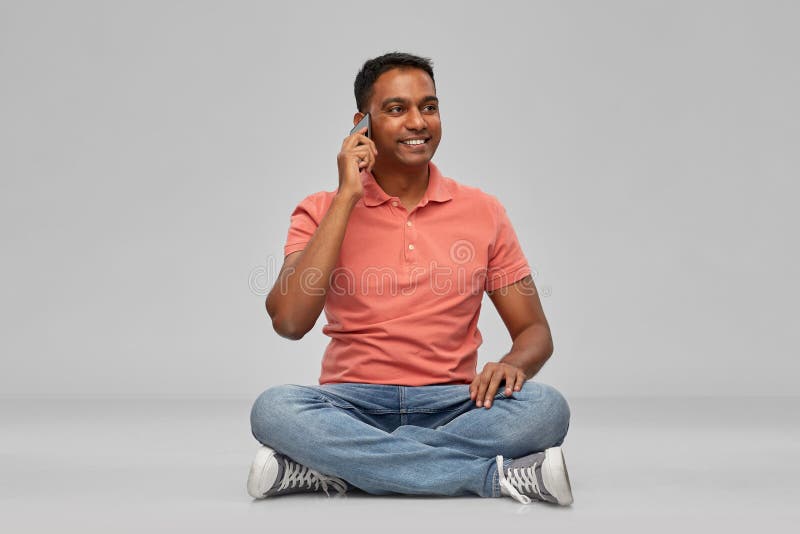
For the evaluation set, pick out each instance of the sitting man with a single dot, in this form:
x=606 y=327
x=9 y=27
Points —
x=399 y=257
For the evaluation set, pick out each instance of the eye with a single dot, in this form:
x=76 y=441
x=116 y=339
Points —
x=395 y=109
x=431 y=108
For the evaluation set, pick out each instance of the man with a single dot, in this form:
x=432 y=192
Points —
x=399 y=257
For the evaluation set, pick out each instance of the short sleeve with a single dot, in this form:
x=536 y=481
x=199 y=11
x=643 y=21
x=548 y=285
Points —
x=507 y=263
x=304 y=222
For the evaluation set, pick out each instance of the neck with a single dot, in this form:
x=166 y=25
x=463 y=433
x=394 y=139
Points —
x=402 y=183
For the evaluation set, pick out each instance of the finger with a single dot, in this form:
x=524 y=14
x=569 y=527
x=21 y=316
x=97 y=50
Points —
x=362 y=155
x=369 y=158
x=521 y=378
x=478 y=397
x=361 y=150
x=362 y=140
x=473 y=387
x=491 y=391
x=483 y=383
x=511 y=381
x=355 y=139
x=349 y=142
x=372 y=145
x=361 y=132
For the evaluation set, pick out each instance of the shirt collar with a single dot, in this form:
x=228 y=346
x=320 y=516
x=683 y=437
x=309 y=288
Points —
x=437 y=191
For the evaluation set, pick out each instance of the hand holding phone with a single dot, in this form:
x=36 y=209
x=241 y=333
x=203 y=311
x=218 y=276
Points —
x=358 y=153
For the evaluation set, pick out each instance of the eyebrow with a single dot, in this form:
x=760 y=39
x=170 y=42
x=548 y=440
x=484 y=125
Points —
x=391 y=99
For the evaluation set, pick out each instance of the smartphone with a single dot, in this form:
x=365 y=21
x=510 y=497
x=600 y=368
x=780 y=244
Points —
x=363 y=122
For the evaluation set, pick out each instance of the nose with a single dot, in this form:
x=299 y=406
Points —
x=415 y=120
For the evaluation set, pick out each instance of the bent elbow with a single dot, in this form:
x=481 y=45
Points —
x=288 y=330
x=285 y=321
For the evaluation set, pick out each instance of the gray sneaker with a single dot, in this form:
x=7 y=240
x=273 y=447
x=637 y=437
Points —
x=541 y=476
x=273 y=473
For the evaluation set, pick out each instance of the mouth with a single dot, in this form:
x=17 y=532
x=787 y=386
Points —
x=415 y=141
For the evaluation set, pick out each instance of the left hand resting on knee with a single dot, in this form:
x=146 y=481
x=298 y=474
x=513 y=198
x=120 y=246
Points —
x=484 y=387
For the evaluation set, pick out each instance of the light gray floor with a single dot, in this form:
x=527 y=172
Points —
x=637 y=465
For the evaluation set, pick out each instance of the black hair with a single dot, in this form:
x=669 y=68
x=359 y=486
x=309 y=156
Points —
x=373 y=68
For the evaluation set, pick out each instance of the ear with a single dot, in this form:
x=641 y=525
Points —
x=357 y=117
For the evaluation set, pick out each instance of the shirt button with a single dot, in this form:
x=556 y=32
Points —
x=410 y=247
x=394 y=204
x=408 y=223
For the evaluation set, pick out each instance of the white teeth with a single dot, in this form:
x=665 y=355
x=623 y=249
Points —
x=414 y=142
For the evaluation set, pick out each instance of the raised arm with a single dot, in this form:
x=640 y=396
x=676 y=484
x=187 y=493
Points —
x=298 y=296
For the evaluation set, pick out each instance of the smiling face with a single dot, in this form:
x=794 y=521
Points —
x=406 y=127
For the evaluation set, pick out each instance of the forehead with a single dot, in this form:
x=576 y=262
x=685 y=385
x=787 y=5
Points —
x=409 y=83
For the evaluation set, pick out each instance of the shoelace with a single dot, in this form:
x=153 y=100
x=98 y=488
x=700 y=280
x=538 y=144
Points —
x=523 y=478
x=296 y=475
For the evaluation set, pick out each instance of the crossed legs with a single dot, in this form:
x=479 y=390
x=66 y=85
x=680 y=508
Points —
x=428 y=440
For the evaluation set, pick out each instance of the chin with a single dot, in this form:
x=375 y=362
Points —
x=415 y=159
x=416 y=162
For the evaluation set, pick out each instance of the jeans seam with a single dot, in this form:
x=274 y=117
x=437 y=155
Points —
x=324 y=398
x=354 y=409
x=401 y=405
x=431 y=411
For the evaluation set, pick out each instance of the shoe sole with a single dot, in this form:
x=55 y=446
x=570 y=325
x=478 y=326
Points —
x=555 y=476
x=263 y=472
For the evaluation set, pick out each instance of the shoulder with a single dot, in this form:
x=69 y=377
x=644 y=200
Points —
x=474 y=198
x=316 y=204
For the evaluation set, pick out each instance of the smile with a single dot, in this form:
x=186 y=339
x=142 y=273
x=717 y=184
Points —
x=414 y=141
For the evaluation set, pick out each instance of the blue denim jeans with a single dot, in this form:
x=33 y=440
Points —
x=426 y=440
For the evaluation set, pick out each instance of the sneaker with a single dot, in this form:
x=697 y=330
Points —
x=273 y=473
x=541 y=476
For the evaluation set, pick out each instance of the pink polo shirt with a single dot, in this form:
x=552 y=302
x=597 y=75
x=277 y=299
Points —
x=406 y=292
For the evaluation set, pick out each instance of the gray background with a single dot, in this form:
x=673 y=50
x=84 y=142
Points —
x=152 y=152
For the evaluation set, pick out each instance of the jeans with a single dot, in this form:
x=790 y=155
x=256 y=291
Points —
x=425 y=440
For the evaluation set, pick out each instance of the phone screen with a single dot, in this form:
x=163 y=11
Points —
x=363 y=122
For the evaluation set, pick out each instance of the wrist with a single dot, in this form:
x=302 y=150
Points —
x=346 y=198
x=516 y=359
